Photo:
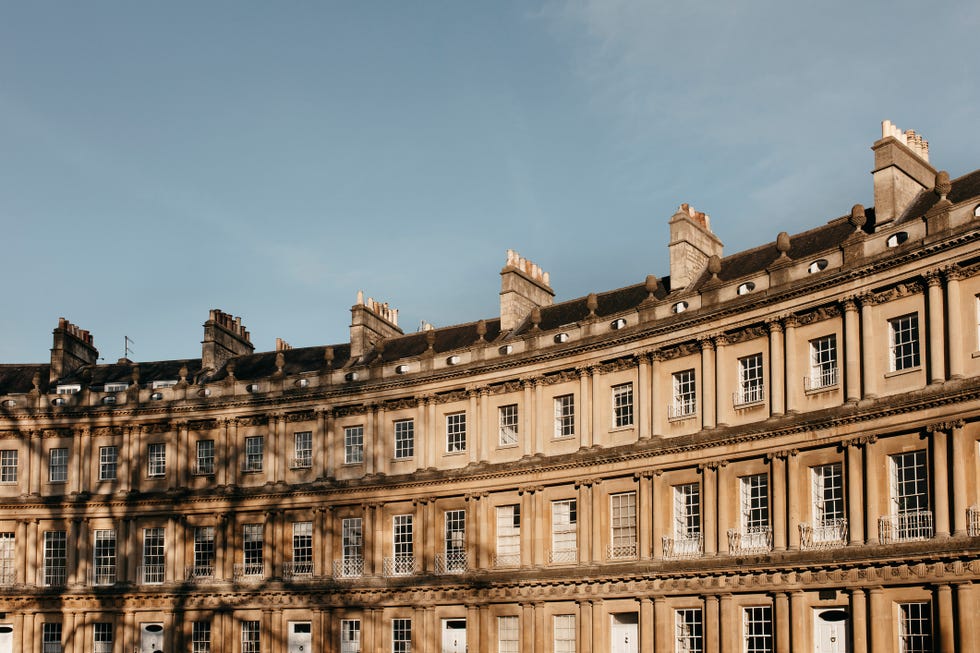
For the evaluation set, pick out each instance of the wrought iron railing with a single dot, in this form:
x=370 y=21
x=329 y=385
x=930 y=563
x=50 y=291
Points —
x=297 y=570
x=685 y=546
x=563 y=556
x=905 y=527
x=973 y=521
x=451 y=562
x=103 y=575
x=820 y=379
x=828 y=534
x=621 y=551
x=249 y=571
x=350 y=567
x=199 y=573
x=506 y=559
x=754 y=539
x=151 y=574
x=401 y=565
x=748 y=395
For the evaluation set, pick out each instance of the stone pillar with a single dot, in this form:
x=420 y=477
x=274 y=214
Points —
x=782 y=620
x=643 y=395
x=859 y=621
x=795 y=516
x=527 y=425
x=585 y=626
x=379 y=443
x=855 y=492
x=880 y=621
x=275 y=421
x=472 y=627
x=712 y=640
x=944 y=602
x=647 y=620
x=487 y=435
x=538 y=422
x=777 y=470
x=962 y=460
x=729 y=625
x=709 y=396
x=852 y=351
x=584 y=504
x=222 y=458
x=793 y=376
x=326 y=461
x=966 y=617
x=871 y=475
x=527 y=627
x=473 y=528
x=954 y=323
x=598 y=509
x=431 y=437
x=657 y=396
x=181 y=456
x=71 y=555
x=657 y=489
x=709 y=484
x=940 y=479
x=598 y=619
x=797 y=604
x=723 y=385
x=21 y=569
x=936 y=338
x=777 y=370
x=644 y=508
x=370 y=445
x=869 y=347
x=472 y=426
x=593 y=411
x=663 y=628
x=75 y=478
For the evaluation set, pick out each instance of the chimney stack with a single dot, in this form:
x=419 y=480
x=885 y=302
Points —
x=692 y=243
x=224 y=337
x=72 y=349
x=523 y=286
x=371 y=321
x=901 y=171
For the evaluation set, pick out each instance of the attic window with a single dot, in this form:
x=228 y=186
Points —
x=817 y=266
x=302 y=383
x=618 y=323
x=453 y=360
x=69 y=389
x=401 y=369
x=350 y=376
x=561 y=337
x=157 y=385
x=506 y=349
x=108 y=401
x=746 y=288
x=116 y=387
x=204 y=392
x=58 y=401
x=9 y=403
x=679 y=307
x=156 y=396
x=897 y=239
x=252 y=388
x=976 y=211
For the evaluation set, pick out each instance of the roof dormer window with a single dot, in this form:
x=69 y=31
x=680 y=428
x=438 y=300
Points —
x=897 y=239
x=506 y=349
x=116 y=387
x=401 y=369
x=679 y=307
x=746 y=288
x=159 y=385
x=453 y=360
x=618 y=323
x=562 y=337
x=817 y=266
x=69 y=389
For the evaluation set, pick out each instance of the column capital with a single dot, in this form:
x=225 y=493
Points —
x=706 y=344
x=933 y=278
x=954 y=273
x=791 y=321
x=945 y=427
x=775 y=325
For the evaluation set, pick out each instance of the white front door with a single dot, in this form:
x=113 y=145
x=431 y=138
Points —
x=6 y=638
x=300 y=637
x=151 y=638
x=624 y=632
x=454 y=636
x=830 y=630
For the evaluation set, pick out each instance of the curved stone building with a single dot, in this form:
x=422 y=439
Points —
x=772 y=450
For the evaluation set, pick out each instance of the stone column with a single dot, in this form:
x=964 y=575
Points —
x=487 y=435
x=855 y=492
x=937 y=332
x=431 y=436
x=663 y=628
x=276 y=422
x=585 y=625
x=777 y=470
x=592 y=410
x=723 y=385
x=793 y=376
x=598 y=509
x=869 y=347
x=473 y=526
x=944 y=602
x=871 y=476
x=380 y=441
x=777 y=370
x=222 y=457
x=659 y=524
x=598 y=619
x=527 y=423
x=21 y=569
x=712 y=640
x=71 y=555
x=859 y=621
x=880 y=621
x=954 y=322
x=647 y=628
x=797 y=604
x=940 y=480
x=782 y=620
x=324 y=457
x=709 y=485
x=370 y=445
x=795 y=516
x=643 y=395
x=538 y=421
x=963 y=459
x=75 y=478
x=708 y=392
x=644 y=508
x=729 y=626
x=181 y=456
x=472 y=626
x=657 y=396
x=966 y=617
x=472 y=426
x=584 y=505
x=852 y=351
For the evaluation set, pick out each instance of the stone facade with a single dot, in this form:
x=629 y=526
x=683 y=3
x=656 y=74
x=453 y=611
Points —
x=779 y=454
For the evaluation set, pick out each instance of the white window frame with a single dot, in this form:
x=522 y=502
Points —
x=689 y=630
x=350 y=636
x=156 y=460
x=8 y=558
x=622 y=405
x=401 y=635
x=102 y=637
x=403 y=544
x=251 y=637
x=751 y=381
x=404 y=432
x=204 y=450
x=508 y=634
x=352 y=544
x=254 y=453
x=824 y=368
x=253 y=549
x=828 y=493
x=154 y=556
x=104 y=556
x=55 y=562
x=564 y=416
x=354 y=444
x=687 y=510
x=564 y=628
x=58 y=465
x=204 y=552
x=757 y=629
x=903 y=343
x=508 y=419
x=622 y=525
x=508 y=551
x=8 y=466
x=685 y=394
x=456 y=432
x=915 y=627
x=564 y=530
x=201 y=637
x=302 y=449
x=108 y=463
x=51 y=637
x=303 y=548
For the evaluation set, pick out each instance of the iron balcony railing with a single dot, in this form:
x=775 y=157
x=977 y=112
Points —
x=685 y=546
x=349 y=567
x=820 y=379
x=748 y=395
x=451 y=562
x=621 y=551
x=199 y=573
x=403 y=564
x=828 y=534
x=973 y=521
x=103 y=575
x=562 y=556
x=8 y=575
x=682 y=409
x=297 y=570
x=249 y=571
x=753 y=539
x=905 y=527
x=303 y=462
x=203 y=469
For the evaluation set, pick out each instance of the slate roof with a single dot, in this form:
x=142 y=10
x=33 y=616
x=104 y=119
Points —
x=963 y=188
x=17 y=379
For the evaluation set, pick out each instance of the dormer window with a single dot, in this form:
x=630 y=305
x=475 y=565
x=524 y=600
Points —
x=159 y=385
x=897 y=239
x=401 y=369
x=8 y=403
x=506 y=349
x=302 y=383
x=204 y=392
x=746 y=288
x=562 y=337
x=453 y=360
x=58 y=401
x=156 y=396
x=108 y=401
x=350 y=376
x=69 y=389
x=252 y=388
x=116 y=387
x=679 y=307
x=817 y=266
x=618 y=323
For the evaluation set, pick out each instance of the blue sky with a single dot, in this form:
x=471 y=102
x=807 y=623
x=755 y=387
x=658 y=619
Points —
x=271 y=159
